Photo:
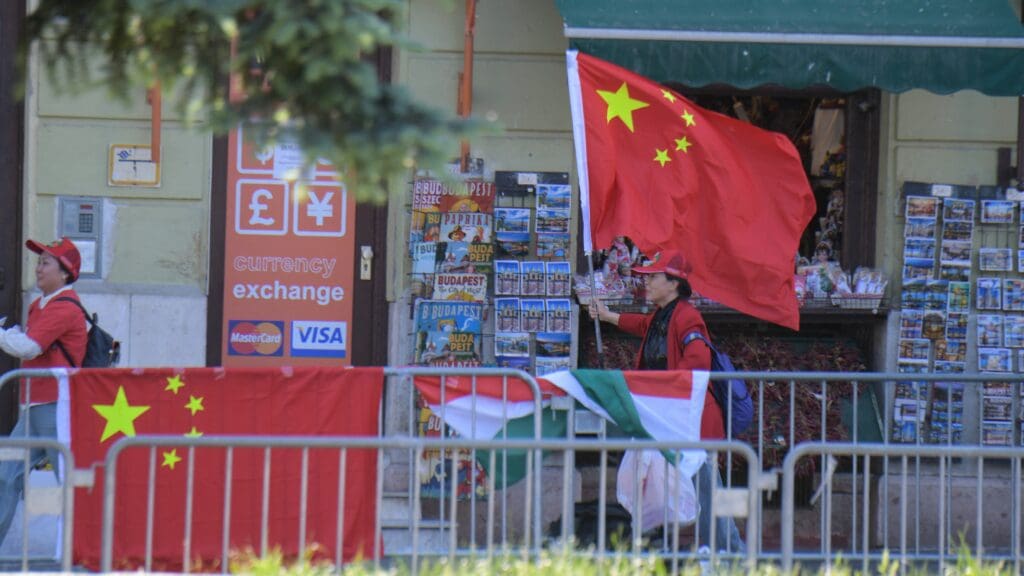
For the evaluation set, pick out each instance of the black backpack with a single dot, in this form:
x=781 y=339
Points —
x=101 y=349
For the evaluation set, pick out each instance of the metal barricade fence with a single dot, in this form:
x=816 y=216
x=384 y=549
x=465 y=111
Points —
x=446 y=488
x=462 y=541
x=902 y=412
x=923 y=545
x=791 y=409
x=15 y=455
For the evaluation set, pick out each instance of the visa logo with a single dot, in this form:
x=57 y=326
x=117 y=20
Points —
x=319 y=339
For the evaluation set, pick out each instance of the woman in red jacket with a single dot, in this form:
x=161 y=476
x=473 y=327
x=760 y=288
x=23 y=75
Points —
x=663 y=348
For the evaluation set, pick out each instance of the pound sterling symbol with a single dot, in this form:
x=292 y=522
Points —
x=258 y=206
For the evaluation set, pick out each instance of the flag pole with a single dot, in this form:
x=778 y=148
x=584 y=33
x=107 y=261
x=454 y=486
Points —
x=597 y=319
x=579 y=137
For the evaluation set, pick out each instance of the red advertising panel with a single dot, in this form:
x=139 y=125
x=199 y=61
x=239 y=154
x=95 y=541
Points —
x=288 y=265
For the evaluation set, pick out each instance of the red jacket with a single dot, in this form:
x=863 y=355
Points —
x=696 y=356
x=58 y=320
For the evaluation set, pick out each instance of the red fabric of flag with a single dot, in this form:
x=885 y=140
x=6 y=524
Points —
x=106 y=405
x=732 y=198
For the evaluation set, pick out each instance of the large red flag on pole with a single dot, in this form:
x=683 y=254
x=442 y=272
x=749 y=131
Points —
x=733 y=198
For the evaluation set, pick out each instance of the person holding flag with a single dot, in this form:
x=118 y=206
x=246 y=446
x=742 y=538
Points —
x=664 y=348
x=54 y=336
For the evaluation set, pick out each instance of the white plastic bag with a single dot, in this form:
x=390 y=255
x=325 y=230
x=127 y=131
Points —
x=666 y=494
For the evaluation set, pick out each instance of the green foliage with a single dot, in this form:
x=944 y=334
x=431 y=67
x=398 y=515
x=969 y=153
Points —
x=305 y=72
x=557 y=563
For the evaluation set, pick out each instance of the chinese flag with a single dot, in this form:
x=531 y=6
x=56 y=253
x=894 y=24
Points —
x=731 y=197
x=102 y=406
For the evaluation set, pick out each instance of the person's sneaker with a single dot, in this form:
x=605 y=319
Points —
x=704 y=560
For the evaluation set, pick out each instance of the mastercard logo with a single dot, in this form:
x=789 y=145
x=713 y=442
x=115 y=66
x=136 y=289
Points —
x=255 y=338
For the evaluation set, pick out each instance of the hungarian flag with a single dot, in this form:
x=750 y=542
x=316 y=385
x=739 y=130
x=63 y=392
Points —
x=731 y=197
x=658 y=405
x=98 y=407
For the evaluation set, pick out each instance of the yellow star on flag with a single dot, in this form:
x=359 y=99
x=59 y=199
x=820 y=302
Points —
x=683 y=144
x=120 y=415
x=621 y=106
x=689 y=118
x=668 y=96
x=171 y=458
x=194 y=404
x=661 y=157
x=174 y=383
x=193 y=433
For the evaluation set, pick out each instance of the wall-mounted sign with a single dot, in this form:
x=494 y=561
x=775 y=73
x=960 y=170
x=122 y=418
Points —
x=289 y=252
x=132 y=165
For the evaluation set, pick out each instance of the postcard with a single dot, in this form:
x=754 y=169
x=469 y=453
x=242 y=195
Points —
x=923 y=228
x=933 y=325
x=506 y=312
x=909 y=409
x=936 y=295
x=995 y=260
x=514 y=362
x=511 y=344
x=918 y=268
x=1020 y=260
x=1003 y=389
x=956 y=209
x=553 y=246
x=1013 y=331
x=990 y=330
x=995 y=433
x=553 y=344
x=533 y=278
x=552 y=221
x=553 y=196
x=911 y=323
x=955 y=253
x=512 y=245
x=914 y=350
x=993 y=359
x=557 y=278
x=957 y=231
x=913 y=295
x=951 y=350
x=1020 y=368
x=532 y=314
x=506 y=277
x=910 y=367
x=989 y=294
x=997 y=211
x=1013 y=294
x=955 y=273
x=959 y=297
x=559 y=315
x=919 y=248
x=956 y=325
x=922 y=207
x=946 y=367
x=511 y=219
x=465 y=227
x=547 y=366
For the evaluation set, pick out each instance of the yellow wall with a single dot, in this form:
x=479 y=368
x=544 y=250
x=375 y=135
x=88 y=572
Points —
x=519 y=82
x=159 y=234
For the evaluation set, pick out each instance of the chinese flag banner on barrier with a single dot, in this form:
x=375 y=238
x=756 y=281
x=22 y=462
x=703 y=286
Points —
x=731 y=197
x=98 y=407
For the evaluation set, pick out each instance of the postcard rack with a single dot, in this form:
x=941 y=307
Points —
x=961 y=310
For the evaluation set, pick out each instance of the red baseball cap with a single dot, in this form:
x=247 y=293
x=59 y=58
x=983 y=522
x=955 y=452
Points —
x=64 y=250
x=670 y=262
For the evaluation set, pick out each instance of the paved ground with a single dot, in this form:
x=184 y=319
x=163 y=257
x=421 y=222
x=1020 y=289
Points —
x=43 y=531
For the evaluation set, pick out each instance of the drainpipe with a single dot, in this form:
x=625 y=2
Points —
x=155 y=122
x=465 y=104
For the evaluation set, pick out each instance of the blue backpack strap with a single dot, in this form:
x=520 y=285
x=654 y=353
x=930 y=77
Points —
x=695 y=335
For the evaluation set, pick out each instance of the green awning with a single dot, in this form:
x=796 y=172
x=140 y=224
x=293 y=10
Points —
x=895 y=45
